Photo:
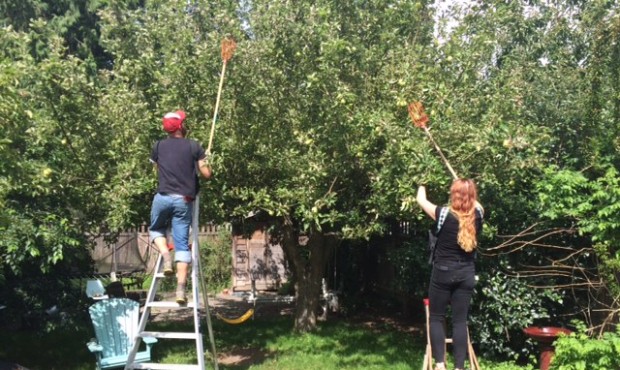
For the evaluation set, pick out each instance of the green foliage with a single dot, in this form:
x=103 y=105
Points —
x=540 y=88
x=166 y=58
x=506 y=366
x=579 y=351
x=50 y=181
x=216 y=261
x=323 y=136
x=411 y=268
x=502 y=308
x=591 y=200
x=75 y=21
x=51 y=176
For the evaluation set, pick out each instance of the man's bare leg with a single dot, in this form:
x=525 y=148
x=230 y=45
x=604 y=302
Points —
x=162 y=245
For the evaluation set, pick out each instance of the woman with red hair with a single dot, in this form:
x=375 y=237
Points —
x=453 y=276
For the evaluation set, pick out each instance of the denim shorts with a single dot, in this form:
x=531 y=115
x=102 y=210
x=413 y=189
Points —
x=172 y=211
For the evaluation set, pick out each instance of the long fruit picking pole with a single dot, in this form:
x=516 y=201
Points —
x=228 y=49
x=420 y=119
x=454 y=175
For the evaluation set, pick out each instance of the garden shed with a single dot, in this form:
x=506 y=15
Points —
x=256 y=258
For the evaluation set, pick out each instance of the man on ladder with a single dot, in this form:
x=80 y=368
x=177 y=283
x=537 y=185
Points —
x=176 y=159
x=176 y=204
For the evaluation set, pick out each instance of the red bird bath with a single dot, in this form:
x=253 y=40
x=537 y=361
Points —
x=545 y=336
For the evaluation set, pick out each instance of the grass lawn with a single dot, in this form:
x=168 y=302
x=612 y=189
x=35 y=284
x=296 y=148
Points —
x=259 y=344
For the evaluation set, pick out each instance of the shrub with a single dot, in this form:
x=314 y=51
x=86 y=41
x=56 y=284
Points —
x=411 y=268
x=502 y=307
x=578 y=351
x=216 y=261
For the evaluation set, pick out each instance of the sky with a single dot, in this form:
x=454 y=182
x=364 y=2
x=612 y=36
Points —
x=442 y=15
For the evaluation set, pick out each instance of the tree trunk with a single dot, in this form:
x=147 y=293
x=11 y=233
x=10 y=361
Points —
x=308 y=264
x=307 y=303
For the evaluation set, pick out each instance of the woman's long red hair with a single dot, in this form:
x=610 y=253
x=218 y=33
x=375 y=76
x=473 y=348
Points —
x=463 y=196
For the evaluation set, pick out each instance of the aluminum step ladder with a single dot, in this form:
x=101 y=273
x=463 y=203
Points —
x=197 y=286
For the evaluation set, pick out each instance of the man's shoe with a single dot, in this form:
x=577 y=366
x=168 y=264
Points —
x=181 y=298
x=168 y=269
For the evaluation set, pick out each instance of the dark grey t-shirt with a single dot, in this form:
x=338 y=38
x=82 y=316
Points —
x=448 y=248
x=176 y=160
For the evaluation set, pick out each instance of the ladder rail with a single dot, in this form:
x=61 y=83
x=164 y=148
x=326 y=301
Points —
x=195 y=267
x=427 y=363
x=205 y=297
x=145 y=315
x=198 y=287
x=197 y=276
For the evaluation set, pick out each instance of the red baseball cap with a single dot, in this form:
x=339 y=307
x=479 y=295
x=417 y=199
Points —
x=173 y=121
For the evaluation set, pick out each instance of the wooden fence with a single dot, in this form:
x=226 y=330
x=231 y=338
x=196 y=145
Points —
x=255 y=260
x=131 y=250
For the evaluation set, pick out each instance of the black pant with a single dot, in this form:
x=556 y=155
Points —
x=452 y=283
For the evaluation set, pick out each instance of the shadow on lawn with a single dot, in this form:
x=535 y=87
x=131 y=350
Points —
x=62 y=348
x=345 y=342
x=266 y=338
x=238 y=346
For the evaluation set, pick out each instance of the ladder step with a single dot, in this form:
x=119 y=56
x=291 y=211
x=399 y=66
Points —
x=169 y=304
x=155 y=366
x=170 y=335
x=194 y=304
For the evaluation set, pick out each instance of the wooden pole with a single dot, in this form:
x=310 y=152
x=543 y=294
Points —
x=217 y=106
x=428 y=133
x=228 y=49
x=420 y=119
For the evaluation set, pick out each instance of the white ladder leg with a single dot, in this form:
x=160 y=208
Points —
x=198 y=288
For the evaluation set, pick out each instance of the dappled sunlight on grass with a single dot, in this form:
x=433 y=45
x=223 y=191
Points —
x=257 y=344
x=335 y=345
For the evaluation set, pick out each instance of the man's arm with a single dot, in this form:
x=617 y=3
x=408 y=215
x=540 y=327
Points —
x=155 y=165
x=205 y=168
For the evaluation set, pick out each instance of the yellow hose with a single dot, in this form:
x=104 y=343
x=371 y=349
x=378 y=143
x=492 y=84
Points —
x=239 y=320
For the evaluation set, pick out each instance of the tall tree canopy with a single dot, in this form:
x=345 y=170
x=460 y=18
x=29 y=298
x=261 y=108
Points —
x=307 y=135
x=314 y=141
x=76 y=22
